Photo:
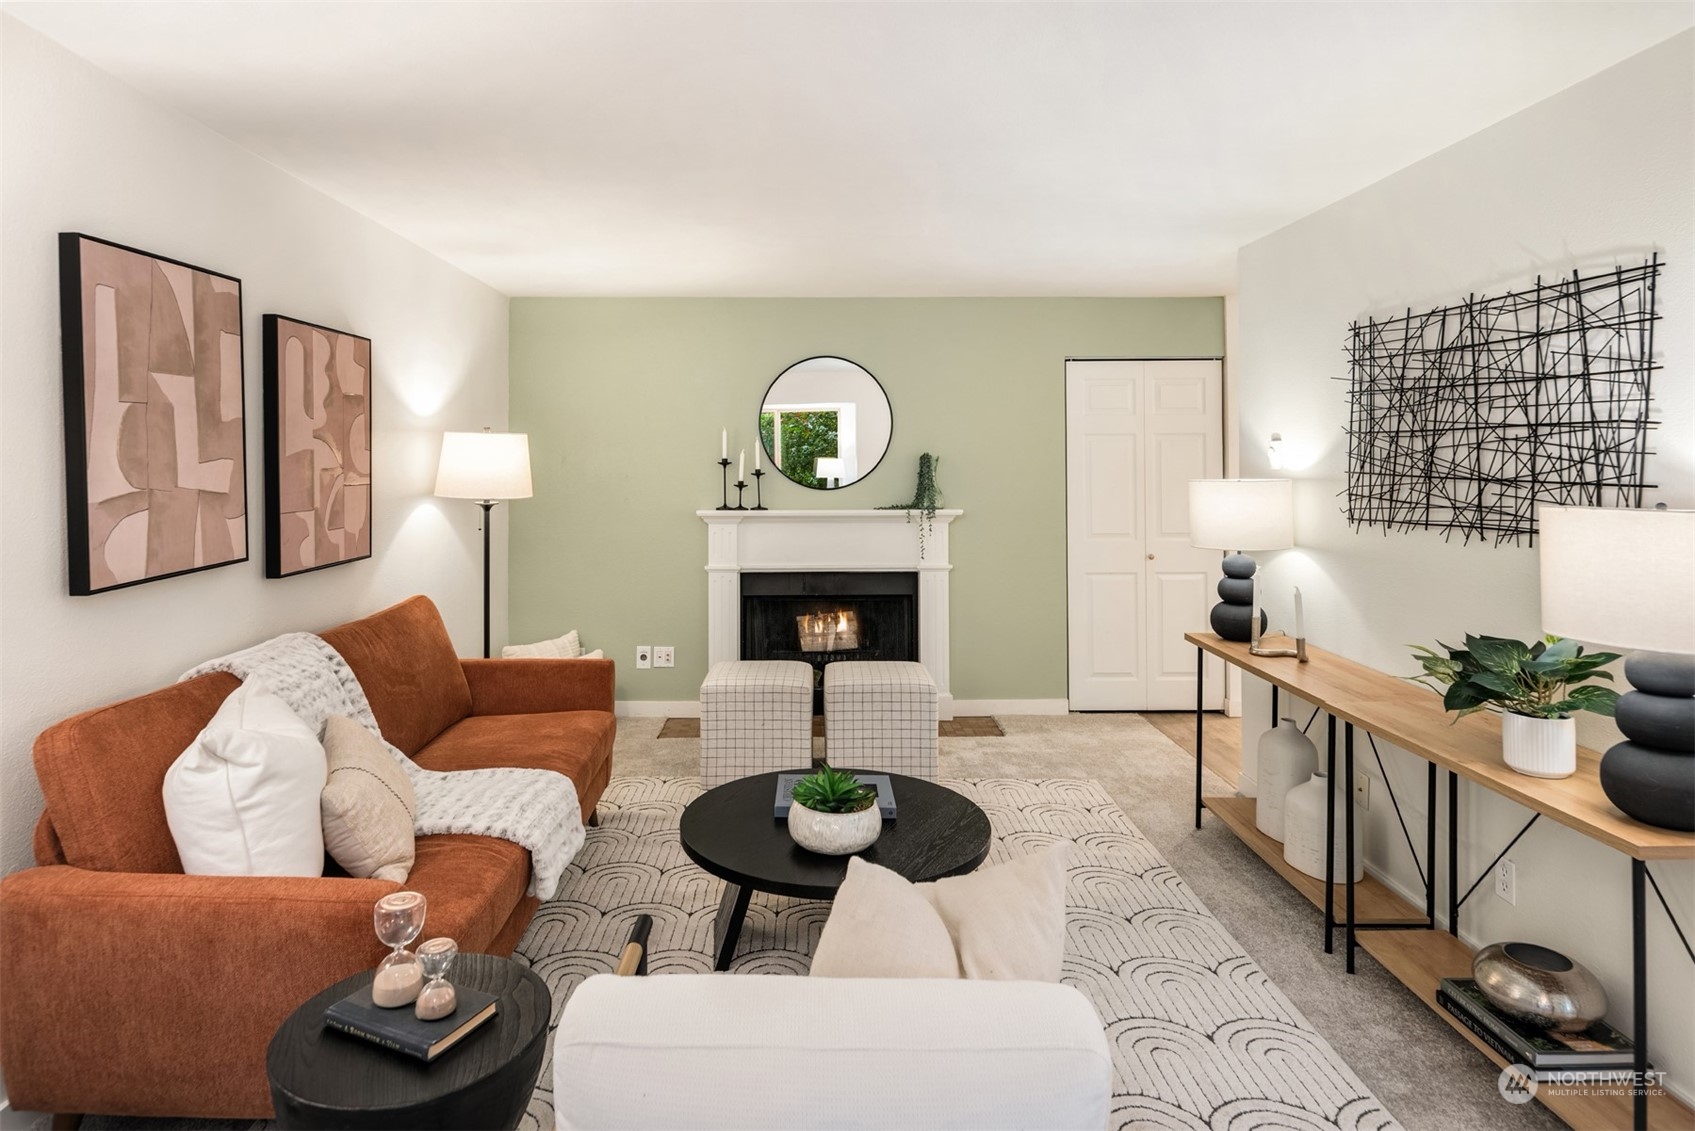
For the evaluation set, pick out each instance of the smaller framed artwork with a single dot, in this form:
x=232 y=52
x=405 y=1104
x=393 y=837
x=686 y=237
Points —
x=317 y=446
x=155 y=424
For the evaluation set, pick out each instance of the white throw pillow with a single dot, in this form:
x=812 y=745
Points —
x=597 y=654
x=242 y=800
x=1008 y=921
x=367 y=804
x=881 y=927
x=567 y=647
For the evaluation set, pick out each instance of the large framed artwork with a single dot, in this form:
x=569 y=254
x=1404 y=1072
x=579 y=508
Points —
x=155 y=424
x=317 y=446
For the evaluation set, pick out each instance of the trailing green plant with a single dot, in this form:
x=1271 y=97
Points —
x=925 y=500
x=1540 y=680
x=834 y=791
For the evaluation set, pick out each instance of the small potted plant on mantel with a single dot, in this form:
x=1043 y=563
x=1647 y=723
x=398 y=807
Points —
x=1536 y=686
x=834 y=813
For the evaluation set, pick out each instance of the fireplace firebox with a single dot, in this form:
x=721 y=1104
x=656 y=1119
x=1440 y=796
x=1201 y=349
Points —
x=821 y=617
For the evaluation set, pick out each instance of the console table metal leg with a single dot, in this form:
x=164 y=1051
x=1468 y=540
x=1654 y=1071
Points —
x=1430 y=846
x=1274 y=704
x=1348 y=834
x=1200 y=725
x=1639 y=967
x=1453 y=853
x=727 y=926
x=1330 y=835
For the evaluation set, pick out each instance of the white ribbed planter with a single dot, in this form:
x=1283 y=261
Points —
x=1541 y=748
x=834 y=834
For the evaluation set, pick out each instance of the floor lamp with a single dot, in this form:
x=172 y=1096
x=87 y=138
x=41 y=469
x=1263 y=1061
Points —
x=487 y=467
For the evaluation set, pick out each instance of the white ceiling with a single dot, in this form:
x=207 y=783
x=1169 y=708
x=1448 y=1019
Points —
x=848 y=148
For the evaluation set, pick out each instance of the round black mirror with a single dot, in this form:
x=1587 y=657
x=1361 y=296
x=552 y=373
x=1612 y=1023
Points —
x=825 y=422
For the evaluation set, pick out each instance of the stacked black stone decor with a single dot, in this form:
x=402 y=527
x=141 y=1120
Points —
x=1652 y=776
x=1232 y=617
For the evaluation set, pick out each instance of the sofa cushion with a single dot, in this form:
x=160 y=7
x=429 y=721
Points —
x=472 y=884
x=368 y=804
x=405 y=662
x=573 y=743
x=882 y=926
x=102 y=773
x=242 y=800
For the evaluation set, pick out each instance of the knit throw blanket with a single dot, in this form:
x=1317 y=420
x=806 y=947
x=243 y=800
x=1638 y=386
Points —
x=537 y=809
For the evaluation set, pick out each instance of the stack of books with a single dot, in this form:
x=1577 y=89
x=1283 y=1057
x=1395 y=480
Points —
x=1599 y=1054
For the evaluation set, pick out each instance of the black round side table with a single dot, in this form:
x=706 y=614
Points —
x=321 y=1078
x=730 y=832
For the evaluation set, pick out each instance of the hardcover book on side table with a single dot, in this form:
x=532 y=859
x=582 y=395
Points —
x=400 y=1030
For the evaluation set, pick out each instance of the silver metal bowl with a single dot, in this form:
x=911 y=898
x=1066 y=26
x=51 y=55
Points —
x=1538 y=986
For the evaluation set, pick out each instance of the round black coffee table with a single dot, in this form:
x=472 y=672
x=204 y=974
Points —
x=323 y=1078
x=730 y=832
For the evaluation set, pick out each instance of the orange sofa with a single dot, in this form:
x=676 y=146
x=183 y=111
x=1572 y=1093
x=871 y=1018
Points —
x=127 y=987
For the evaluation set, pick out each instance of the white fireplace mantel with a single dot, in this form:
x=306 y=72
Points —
x=830 y=540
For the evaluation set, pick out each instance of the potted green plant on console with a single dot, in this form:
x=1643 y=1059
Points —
x=1537 y=687
x=834 y=813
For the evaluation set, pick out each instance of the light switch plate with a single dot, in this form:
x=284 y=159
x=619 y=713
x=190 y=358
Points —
x=664 y=656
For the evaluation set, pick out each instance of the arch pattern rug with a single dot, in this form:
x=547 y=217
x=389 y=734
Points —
x=1201 y=1038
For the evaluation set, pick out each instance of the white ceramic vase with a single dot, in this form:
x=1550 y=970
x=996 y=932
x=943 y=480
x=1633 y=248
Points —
x=1303 y=828
x=1541 y=748
x=834 y=834
x=1287 y=758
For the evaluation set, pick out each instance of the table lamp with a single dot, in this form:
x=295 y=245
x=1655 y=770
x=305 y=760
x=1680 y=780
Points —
x=1237 y=515
x=1620 y=577
x=830 y=468
x=487 y=467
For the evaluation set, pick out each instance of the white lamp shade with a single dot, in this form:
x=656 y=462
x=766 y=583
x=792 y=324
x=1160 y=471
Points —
x=1619 y=576
x=1241 y=514
x=484 y=465
x=830 y=467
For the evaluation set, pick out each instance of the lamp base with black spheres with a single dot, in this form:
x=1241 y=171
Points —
x=1652 y=776
x=1232 y=617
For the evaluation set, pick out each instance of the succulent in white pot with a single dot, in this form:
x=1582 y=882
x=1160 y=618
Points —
x=834 y=813
x=1536 y=686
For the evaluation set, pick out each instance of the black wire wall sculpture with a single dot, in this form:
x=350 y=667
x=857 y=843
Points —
x=1465 y=418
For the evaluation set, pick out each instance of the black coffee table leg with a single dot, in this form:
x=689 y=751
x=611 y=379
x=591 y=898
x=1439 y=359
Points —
x=727 y=927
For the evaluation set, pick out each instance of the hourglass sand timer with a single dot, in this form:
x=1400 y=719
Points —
x=437 y=999
x=399 y=917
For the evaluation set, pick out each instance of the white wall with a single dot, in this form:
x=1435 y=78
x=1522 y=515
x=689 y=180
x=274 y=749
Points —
x=80 y=151
x=1603 y=172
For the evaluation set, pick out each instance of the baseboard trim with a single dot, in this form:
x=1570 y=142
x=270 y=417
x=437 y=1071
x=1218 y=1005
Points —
x=657 y=708
x=1010 y=707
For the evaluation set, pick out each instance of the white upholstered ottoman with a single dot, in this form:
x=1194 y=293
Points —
x=881 y=715
x=755 y=717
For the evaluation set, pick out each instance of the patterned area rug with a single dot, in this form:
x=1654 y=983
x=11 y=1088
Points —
x=964 y=726
x=1201 y=1039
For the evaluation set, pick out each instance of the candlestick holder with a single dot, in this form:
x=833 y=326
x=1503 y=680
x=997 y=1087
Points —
x=1299 y=651
x=741 y=485
x=724 y=472
x=758 y=490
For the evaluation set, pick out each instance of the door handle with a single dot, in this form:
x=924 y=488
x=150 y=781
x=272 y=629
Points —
x=1150 y=557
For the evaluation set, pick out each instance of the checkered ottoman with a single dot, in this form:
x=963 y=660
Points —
x=881 y=715
x=755 y=717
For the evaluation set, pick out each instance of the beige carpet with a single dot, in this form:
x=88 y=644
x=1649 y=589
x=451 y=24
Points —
x=1420 y=1068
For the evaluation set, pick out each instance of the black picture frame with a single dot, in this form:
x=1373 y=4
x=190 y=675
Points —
x=274 y=326
x=86 y=575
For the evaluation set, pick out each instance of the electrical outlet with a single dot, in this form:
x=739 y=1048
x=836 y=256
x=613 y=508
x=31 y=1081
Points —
x=664 y=656
x=1506 y=881
x=1362 y=790
x=644 y=655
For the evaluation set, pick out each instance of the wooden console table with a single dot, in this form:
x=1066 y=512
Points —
x=1405 y=939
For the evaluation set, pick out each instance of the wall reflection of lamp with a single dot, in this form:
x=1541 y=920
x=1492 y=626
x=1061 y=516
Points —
x=1274 y=450
x=830 y=469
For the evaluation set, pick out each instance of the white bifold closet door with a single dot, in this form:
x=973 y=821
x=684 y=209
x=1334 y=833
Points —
x=1136 y=432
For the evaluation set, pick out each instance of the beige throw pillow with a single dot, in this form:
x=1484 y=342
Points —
x=567 y=647
x=367 y=804
x=1008 y=921
x=881 y=927
x=1005 y=922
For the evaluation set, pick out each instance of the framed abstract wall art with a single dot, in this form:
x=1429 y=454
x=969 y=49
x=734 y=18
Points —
x=155 y=424
x=317 y=446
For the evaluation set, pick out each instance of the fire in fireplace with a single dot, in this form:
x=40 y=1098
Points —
x=821 y=617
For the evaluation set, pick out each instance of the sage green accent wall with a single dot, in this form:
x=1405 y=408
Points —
x=624 y=398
